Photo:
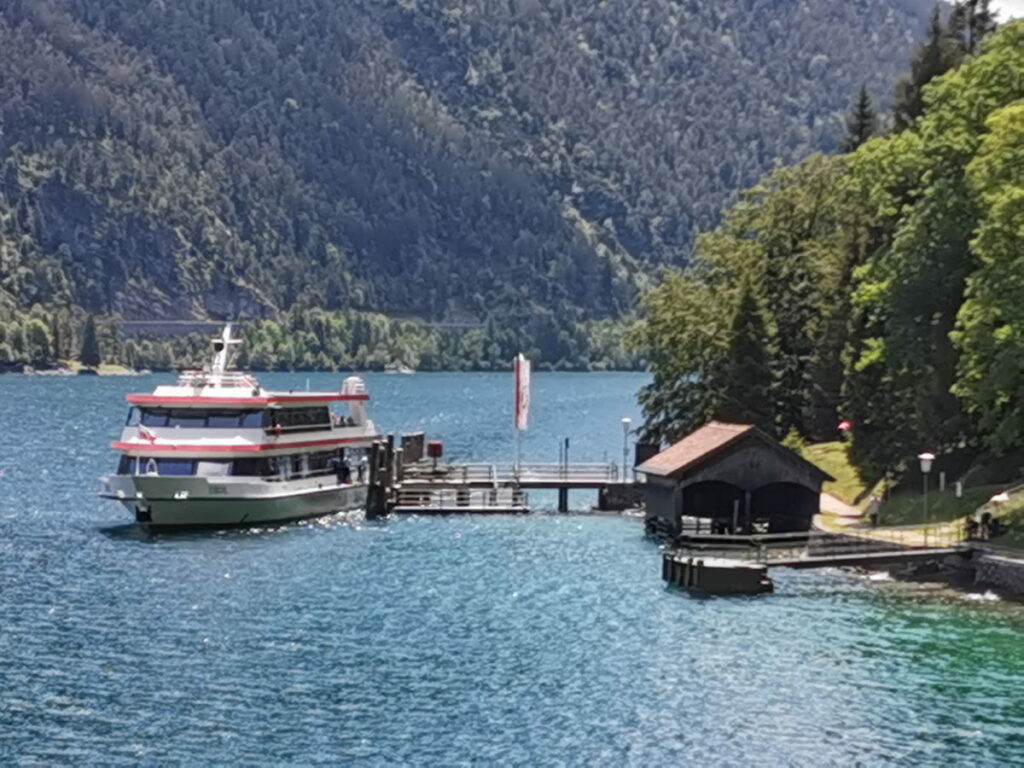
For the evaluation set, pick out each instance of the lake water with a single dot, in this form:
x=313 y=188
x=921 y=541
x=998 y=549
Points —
x=538 y=640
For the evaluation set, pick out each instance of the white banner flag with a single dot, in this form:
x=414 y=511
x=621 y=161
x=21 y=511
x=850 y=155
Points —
x=522 y=374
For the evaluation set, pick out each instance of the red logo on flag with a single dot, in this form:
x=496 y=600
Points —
x=147 y=434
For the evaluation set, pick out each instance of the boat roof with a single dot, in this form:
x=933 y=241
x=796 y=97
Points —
x=217 y=384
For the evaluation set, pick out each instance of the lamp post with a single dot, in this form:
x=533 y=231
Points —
x=926 y=460
x=626 y=421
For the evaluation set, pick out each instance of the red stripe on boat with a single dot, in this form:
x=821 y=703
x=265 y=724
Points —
x=242 y=401
x=259 y=448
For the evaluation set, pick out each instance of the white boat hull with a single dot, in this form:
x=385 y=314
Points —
x=162 y=503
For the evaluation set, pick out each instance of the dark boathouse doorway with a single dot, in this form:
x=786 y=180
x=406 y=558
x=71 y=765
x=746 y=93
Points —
x=736 y=478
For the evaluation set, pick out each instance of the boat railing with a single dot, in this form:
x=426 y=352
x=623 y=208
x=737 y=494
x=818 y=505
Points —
x=278 y=477
x=199 y=378
x=275 y=430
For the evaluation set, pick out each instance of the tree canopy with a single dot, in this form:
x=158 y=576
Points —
x=888 y=280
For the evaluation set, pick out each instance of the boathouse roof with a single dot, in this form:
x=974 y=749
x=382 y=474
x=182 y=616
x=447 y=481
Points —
x=711 y=440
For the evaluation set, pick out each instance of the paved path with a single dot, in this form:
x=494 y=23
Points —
x=844 y=515
x=936 y=534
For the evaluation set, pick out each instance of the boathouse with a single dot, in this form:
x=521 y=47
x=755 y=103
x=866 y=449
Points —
x=730 y=478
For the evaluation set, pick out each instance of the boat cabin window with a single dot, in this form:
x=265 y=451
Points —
x=161 y=466
x=213 y=468
x=252 y=467
x=298 y=418
x=196 y=417
x=278 y=467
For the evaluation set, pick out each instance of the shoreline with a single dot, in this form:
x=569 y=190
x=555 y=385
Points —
x=72 y=372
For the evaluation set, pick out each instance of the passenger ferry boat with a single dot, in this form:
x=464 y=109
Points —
x=217 y=449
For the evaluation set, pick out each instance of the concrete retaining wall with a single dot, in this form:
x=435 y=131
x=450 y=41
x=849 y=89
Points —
x=1003 y=573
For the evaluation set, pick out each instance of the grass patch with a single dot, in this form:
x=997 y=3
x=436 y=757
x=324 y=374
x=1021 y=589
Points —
x=833 y=458
x=907 y=508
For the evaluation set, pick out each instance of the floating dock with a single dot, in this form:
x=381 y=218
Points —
x=718 y=576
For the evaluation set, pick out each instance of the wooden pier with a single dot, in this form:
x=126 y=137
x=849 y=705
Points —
x=491 y=487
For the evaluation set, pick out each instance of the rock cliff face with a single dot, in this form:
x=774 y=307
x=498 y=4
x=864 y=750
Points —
x=438 y=159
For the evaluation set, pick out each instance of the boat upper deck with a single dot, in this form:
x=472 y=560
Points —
x=237 y=389
x=234 y=398
x=220 y=410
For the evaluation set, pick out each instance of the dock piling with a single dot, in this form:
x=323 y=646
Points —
x=563 y=499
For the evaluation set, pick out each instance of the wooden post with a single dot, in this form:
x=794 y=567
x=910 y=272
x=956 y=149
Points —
x=377 y=491
x=563 y=499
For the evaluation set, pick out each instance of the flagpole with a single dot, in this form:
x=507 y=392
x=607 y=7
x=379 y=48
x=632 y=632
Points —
x=519 y=452
x=521 y=371
x=517 y=372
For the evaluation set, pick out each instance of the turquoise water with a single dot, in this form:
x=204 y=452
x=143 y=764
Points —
x=534 y=640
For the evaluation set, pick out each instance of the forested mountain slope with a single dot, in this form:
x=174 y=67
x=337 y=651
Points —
x=519 y=163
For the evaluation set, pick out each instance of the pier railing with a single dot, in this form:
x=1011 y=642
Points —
x=503 y=474
x=767 y=548
x=440 y=499
x=596 y=472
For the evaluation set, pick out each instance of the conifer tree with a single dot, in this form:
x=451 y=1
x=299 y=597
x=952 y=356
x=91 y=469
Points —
x=861 y=121
x=90 y=354
x=970 y=22
x=935 y=56
x=747 y=392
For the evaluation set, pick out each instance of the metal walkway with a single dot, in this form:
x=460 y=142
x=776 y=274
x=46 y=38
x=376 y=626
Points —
x=866 y=559
x=819 y=549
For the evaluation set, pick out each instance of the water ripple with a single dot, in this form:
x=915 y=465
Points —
x=547 y=639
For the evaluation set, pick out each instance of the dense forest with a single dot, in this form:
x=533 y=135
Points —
x=516 y=168
x=880 y=287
